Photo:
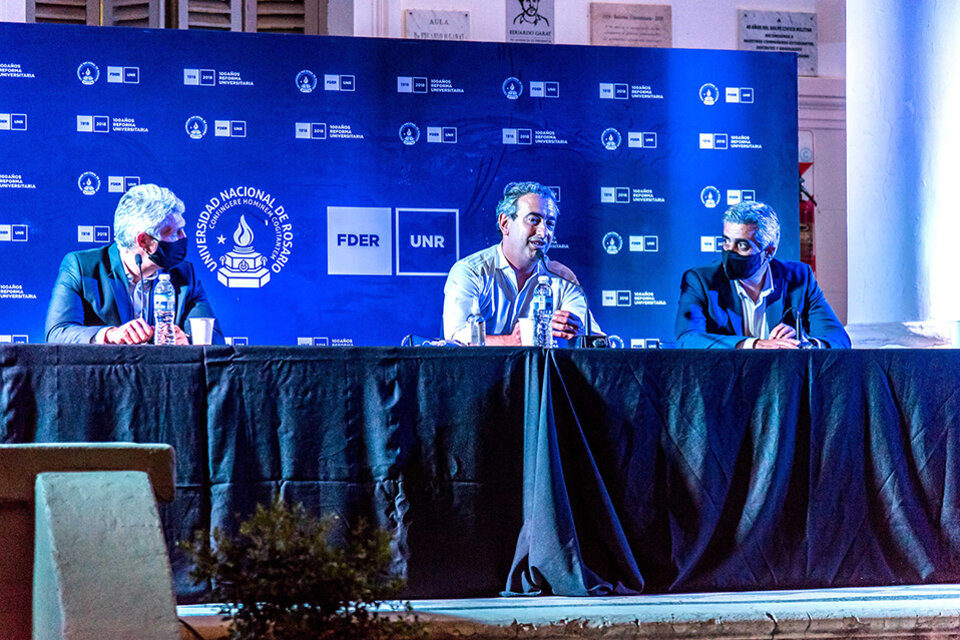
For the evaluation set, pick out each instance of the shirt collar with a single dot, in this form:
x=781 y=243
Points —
x=502 y=262
x=767 y=287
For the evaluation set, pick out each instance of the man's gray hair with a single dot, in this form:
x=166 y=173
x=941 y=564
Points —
x=762 y=216
x=144 y=208
x=516 y=190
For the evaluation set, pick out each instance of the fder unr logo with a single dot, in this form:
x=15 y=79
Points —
x=428 y=241
x=359 y=241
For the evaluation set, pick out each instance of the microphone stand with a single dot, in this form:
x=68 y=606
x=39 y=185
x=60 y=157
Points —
x=139 y=260
x=588 y=340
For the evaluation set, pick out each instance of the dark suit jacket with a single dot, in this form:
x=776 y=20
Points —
x=710 y=314
x=91 y=293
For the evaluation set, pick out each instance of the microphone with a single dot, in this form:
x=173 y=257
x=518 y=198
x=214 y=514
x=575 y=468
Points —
x=792 y=319
x=587 y=340
x=139 y=260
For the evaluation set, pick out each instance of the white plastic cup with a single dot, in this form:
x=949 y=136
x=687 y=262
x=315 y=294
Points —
x=526 y=331
x=201 y=330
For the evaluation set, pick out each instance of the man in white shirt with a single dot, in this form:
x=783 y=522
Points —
x=502 y=278
x=750 y=300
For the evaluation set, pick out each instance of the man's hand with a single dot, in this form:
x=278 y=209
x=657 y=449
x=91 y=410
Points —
x=781 y=343
x=179 y=337
x=511 y=340
x=565 y=325
x=137 y=331
x=782 y=331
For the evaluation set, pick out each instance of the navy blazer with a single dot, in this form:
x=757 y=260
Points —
x=91 y=293
x=710 y=314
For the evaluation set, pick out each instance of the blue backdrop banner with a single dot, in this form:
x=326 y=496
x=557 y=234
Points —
x=330 y=183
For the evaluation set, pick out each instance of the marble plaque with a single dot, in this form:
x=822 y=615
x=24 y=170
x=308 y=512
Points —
x=529 y=21
x=436 y=25
x=781 y=31
x=631 y=25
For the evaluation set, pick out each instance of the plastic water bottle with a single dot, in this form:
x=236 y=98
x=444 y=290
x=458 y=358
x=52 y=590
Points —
x=164 y=309
x=477 y=325
x=543 y=313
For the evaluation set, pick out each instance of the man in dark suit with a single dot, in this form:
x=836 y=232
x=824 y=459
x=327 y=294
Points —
x=750 y=300
x=105 y=295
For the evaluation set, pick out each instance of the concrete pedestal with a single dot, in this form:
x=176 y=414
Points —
x=19 y=467
x=100 y=565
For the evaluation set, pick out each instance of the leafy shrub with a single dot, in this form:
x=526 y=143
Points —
x=281 y=578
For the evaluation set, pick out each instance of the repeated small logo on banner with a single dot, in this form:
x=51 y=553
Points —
x=13 y=122
x=230 y=128
x=196 y=127
x=711 y=244
x=333 y=82
x=709 y=94
x=612 y=243
x=121 y=184
x=200 y=77
x=647 y=244
x=642 y=139
x=99 y=234
x=714 y=141
x=544 y=89
x=625 y=91
x=14 y=338
x=629 y=298
x=13 y=233
x=736 y=196
x=123 y=75
x=423 y=84
x=409 y=133
x=306 y=81
x=446 y=135
x=611 y=139
x=739 y=95
x=89 y=183
x=517 y=136
x=512 y=88
x=88 y=73
x=710 y=197
x=311 y=130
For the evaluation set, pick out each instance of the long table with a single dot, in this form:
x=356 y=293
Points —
x=523 y=471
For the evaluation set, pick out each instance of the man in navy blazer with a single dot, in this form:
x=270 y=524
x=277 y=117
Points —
x=750 y=300
x=105 y=295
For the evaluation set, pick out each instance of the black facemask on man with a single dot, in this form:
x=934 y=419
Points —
x=167 y=255
x=738 y=267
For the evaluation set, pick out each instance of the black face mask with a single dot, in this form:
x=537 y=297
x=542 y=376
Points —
x=738 y=267
x=167 y=255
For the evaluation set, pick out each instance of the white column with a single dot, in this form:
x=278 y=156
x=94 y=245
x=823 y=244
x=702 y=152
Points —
x=903 y=133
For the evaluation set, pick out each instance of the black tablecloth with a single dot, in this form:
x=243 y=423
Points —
x=596 y=471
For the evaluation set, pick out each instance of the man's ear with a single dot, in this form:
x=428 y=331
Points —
x=504 y=222
x=145 y=242
x=770 y=252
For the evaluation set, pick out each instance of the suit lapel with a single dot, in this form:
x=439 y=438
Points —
x=774 y=311
x=118 y=283
x=734 y=305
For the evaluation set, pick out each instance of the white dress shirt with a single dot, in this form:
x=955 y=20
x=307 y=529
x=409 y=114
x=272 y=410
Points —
x=755 y=324
x=487 y=277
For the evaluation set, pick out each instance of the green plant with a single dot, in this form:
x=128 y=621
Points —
x=281 y=578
